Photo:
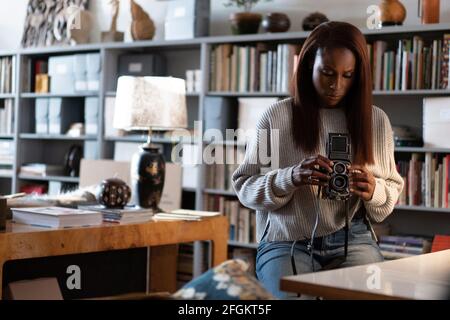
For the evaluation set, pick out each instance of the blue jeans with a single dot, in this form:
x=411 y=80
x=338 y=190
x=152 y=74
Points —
x=273 y=259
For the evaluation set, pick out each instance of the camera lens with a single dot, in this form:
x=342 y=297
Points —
x=339 y=168
x=339 y=182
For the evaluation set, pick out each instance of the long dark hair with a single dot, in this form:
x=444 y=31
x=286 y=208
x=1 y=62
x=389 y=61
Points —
x=358 y=101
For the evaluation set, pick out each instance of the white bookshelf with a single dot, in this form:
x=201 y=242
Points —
x=183 y=55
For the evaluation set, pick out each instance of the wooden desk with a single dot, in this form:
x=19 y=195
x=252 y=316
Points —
x=22 y=241
x=421 y=277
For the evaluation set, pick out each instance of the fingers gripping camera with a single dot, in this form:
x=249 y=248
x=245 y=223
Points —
x=338 y=151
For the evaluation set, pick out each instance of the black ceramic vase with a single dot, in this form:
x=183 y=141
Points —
x=148 y=171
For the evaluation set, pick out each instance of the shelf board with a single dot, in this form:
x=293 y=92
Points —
x=425 y=92
x=61 y=49
x=290 y=36
x=50 y=178
x=220 y=192
x=6 y=136
x=247 y=94
x=242 y=244
x=35 y=136
x=181 y=44
x=142 y=139
x=421 y=208
x=58 y=95
x=422 y=149
x=7 y=95
x=188 y=94
x=239 y=144
x=6 y=175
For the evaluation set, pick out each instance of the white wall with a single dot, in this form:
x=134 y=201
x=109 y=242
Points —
x=12 y=15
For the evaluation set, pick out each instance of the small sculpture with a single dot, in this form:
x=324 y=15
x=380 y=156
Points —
x=313 y=20
x=113 y=193
x=113 y=35
x=276 y=22
x=142 y=26
x=393 y=12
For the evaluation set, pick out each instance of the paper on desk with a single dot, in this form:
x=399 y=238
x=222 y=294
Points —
x=169 y=216
x=196 y=213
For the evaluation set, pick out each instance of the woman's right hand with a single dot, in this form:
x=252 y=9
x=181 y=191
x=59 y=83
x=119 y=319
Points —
x=313 y=171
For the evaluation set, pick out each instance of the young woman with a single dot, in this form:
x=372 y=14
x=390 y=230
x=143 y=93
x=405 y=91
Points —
x=331 y=93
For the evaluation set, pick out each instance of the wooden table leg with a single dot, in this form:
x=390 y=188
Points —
x=1 y=280
x=220 y=248
x=163 y=269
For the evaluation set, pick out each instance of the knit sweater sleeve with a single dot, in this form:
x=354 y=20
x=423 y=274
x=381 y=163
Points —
x=389 y=183
x=257 y=190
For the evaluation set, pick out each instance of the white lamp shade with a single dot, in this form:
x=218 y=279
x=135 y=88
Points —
x=158 y=103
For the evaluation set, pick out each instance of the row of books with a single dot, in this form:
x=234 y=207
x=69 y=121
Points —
x=252 y=68
x=7 y=116
x=41 y=169
x=396 y=246
x=410 y=64
x=7 y=74
x=242 y=220
x=6 y=152
x=426 y=179
x=218 y=176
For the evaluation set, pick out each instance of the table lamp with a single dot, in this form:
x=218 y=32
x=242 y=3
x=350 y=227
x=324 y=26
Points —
x=149 y=103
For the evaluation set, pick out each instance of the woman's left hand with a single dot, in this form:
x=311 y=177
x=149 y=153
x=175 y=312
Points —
x=362 y=182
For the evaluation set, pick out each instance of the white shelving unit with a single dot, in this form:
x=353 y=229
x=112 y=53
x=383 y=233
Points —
x=183 y=55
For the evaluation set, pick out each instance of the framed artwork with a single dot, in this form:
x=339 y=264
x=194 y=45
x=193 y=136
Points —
x=47 y=20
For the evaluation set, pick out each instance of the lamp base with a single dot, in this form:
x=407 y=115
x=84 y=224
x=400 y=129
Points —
x=148 y=170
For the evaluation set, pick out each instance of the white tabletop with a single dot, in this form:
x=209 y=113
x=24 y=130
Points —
x=425 y=276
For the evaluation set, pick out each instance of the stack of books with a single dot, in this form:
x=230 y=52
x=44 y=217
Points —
x=129 y=214
x=7 y=74
x=56 y=217
x=394 y=246
x=41 y=169
x=7 y=116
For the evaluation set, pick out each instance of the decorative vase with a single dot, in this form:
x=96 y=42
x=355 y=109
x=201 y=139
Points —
x=113 y=193
x=429 y=11
x=245 y=22
x=313 y=20
x=147 y=173
x=276 y=22
x=142 y=26
x=393 y=12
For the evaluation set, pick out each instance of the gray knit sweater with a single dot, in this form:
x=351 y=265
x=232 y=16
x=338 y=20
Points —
x=287 y=211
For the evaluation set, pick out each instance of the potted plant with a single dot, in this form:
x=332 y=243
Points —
x=244 y=22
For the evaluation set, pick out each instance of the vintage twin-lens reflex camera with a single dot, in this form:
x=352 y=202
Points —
x=338 y=151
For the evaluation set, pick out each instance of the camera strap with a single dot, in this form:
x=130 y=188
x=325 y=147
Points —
x=347 y=226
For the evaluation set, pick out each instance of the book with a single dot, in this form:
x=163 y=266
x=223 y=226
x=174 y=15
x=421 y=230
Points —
x=56 y=217
x=184 y=214
x=196 y=213
x=128 y=214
